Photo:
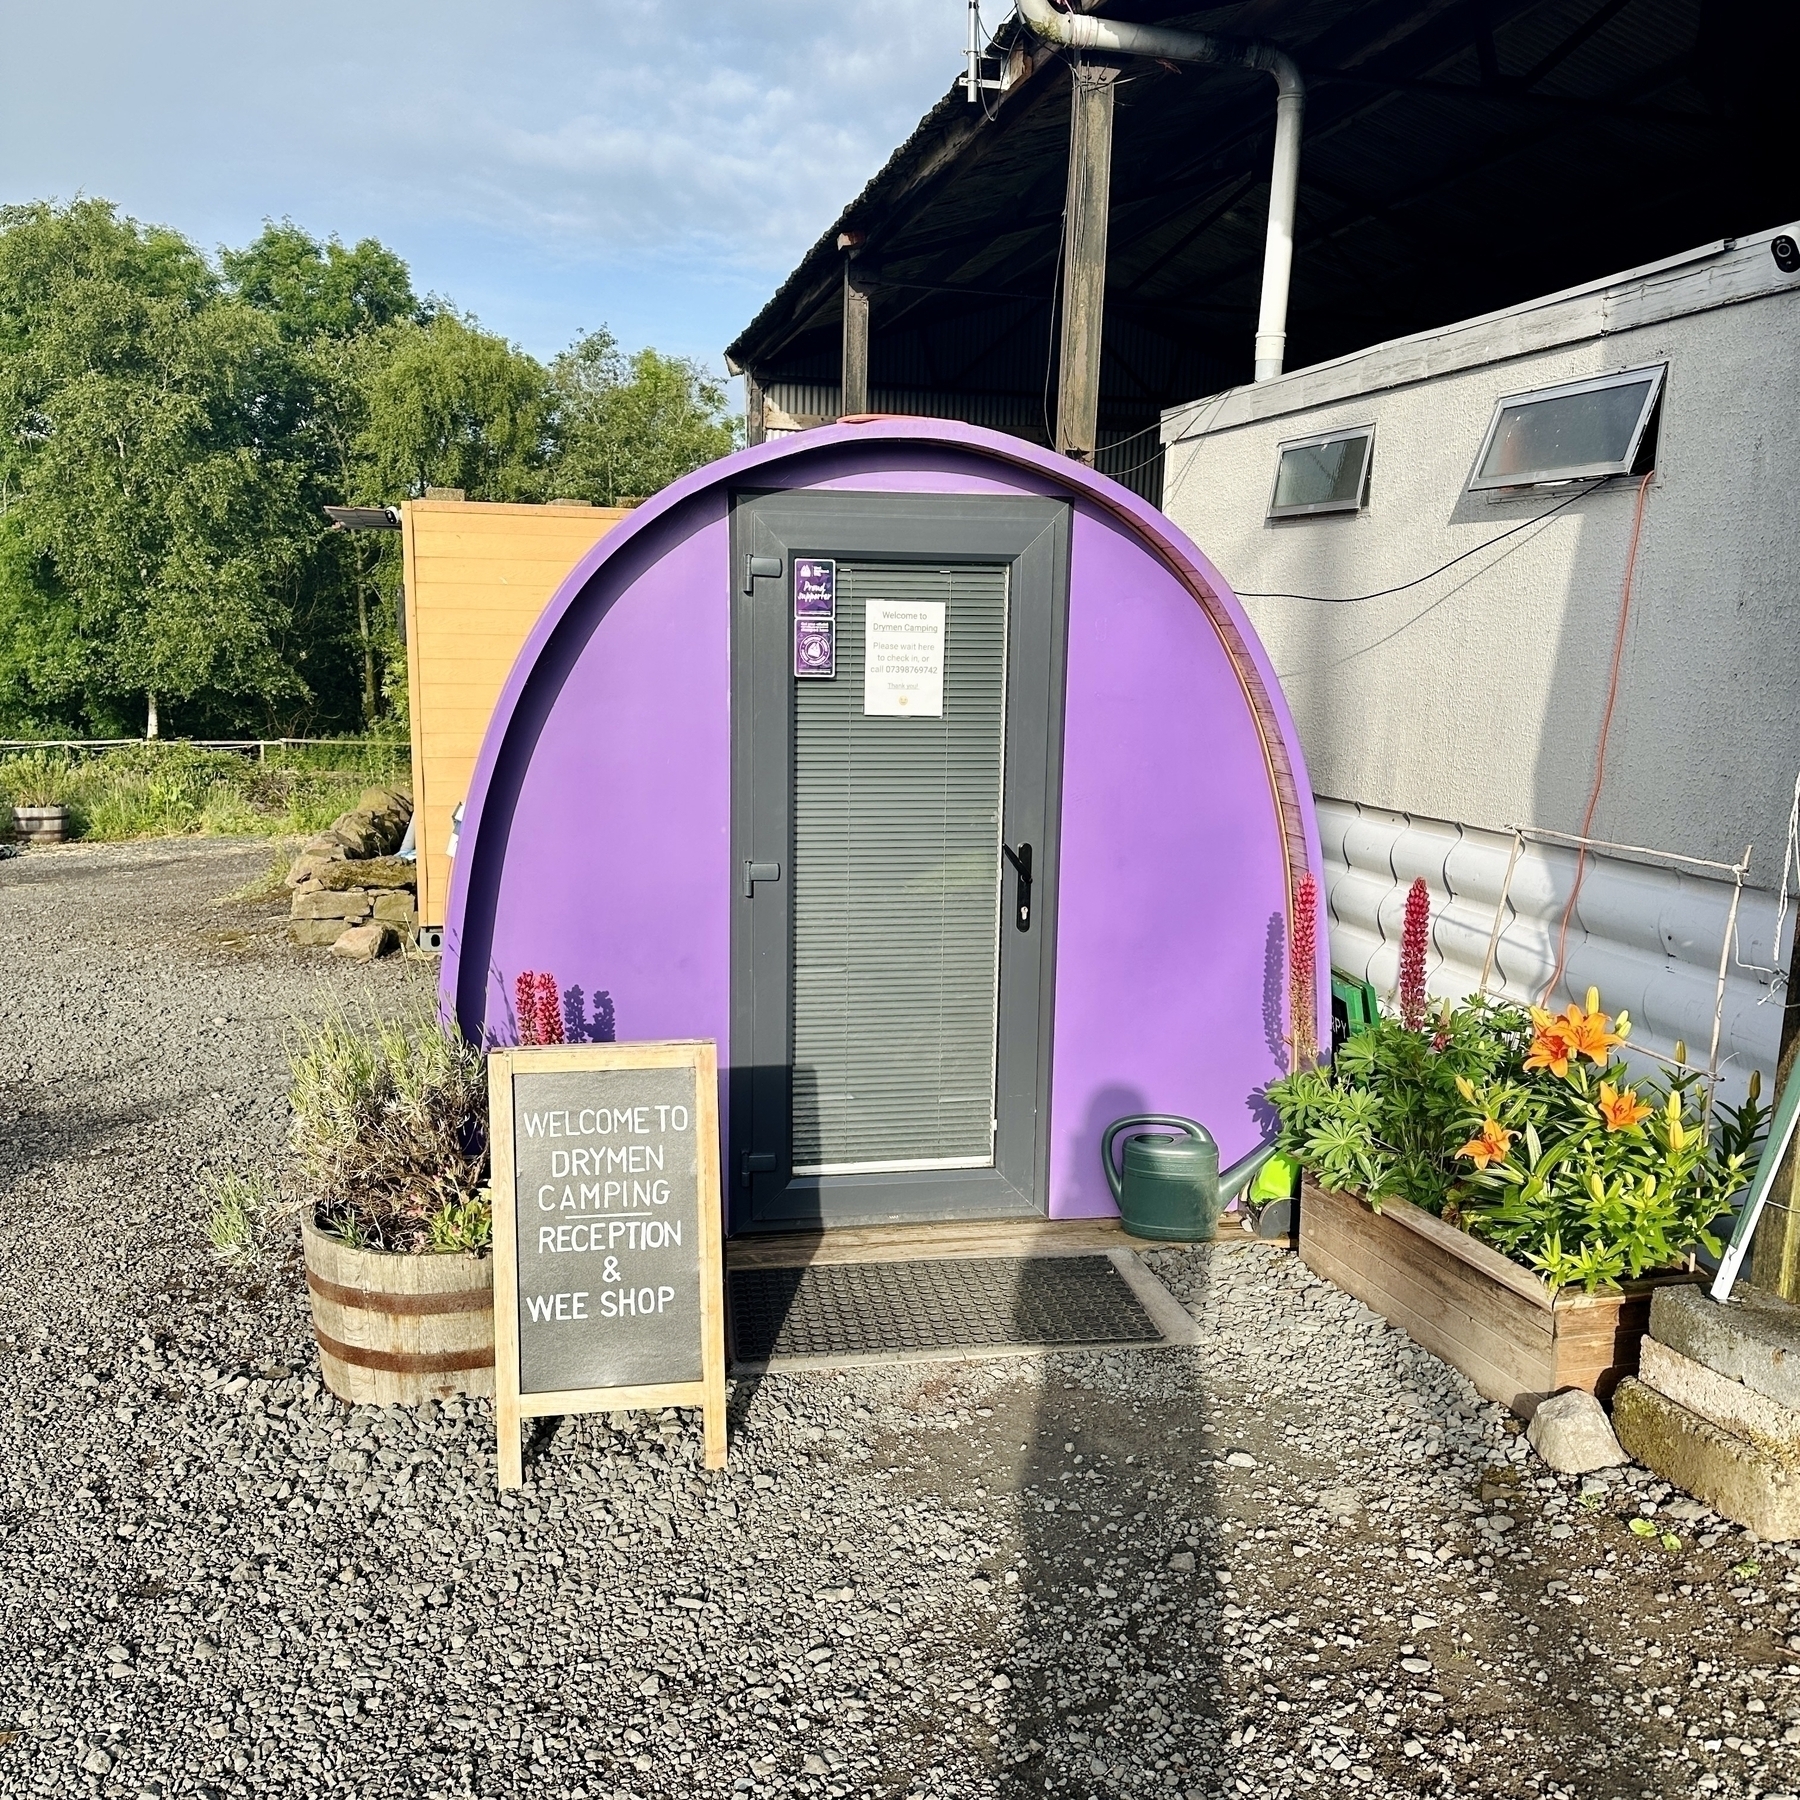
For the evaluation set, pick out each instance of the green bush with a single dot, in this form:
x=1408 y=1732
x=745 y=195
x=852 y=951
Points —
x=174 y=790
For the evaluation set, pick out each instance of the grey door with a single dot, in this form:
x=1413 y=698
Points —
x=891 y=960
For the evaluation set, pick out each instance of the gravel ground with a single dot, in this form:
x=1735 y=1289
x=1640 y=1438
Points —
x=1303 y=1557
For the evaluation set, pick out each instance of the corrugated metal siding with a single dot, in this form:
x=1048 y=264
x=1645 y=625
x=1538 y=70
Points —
x=1647 y=937
x=896 y=892
x=1131 y=454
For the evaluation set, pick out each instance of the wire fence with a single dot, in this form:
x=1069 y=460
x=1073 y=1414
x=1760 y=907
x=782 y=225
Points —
x=257 y=747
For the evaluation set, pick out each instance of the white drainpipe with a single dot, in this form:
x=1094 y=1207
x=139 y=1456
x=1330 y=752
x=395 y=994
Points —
x=1086 y=31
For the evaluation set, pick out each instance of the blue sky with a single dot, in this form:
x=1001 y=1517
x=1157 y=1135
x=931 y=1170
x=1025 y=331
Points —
x=550 y=165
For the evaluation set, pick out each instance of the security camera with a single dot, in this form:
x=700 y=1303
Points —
x=1786 y=254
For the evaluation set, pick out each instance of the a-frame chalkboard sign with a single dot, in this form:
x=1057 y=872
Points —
x=608 y=1280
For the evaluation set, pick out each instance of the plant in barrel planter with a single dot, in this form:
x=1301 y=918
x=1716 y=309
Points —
x=390 y=1134
x=39 y=787
x=1493 y=1179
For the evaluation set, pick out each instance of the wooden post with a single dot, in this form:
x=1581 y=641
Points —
x=1775 y=1256
x=855 y=395
x=756 y=412
x=1089 y=198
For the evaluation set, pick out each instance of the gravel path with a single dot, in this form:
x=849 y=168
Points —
x=1302 y=1558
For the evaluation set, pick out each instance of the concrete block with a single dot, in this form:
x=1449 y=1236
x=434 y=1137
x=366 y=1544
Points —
x=370 y=872
x=1755 y=1339
x=324 y=904
x=315 y=934
x=1732 y=1475
x=1569 y=1431
x=1721 y=1401
x=363 y=943
x=397 y=908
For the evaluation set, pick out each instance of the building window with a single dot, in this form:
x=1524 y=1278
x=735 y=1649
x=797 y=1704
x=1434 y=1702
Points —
x=1573 y=432
x=1324 y=474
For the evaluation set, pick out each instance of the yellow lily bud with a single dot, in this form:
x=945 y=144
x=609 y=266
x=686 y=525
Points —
x=1593 y=999
x=1755 y=1086
x=1466 y=1087
x=1681 y=1050
x=1622 y=1025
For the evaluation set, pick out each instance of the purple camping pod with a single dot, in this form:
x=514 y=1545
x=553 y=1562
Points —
x=1014 y=861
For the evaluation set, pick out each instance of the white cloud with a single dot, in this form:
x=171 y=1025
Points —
x=551 y=163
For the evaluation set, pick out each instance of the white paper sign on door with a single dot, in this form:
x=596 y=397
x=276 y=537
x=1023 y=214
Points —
x=903 y=659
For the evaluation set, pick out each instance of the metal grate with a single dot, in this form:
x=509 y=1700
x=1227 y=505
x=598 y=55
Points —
x=837 y=1309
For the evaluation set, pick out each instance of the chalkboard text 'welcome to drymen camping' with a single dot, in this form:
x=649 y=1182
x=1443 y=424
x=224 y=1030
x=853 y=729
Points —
x=608 y=1292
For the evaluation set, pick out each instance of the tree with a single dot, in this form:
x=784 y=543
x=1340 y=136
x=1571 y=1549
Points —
x=321 y=290
x=629 y=426
x=144 y=503
x=451 y=405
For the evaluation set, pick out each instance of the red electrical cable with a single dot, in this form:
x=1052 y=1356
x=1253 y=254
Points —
x=1612 y=695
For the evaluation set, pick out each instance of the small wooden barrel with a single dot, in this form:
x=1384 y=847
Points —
x=41 y=824
x=398 y=1330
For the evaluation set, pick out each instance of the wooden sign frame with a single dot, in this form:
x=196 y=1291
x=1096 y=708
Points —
x=511 y=1407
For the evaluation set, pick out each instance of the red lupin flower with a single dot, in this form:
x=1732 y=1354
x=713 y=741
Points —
x=1413 y=937
x=1302 y=972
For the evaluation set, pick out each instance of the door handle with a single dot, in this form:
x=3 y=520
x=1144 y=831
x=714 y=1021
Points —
x=759 y=871
x=756 y=1162
x=1021 y=862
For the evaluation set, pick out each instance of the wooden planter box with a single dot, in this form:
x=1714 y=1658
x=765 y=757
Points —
x=1476 y=1308
x=398 y=1330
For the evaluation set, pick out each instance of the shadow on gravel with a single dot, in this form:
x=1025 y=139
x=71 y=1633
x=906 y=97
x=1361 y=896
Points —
x=37 y=1131
x=1114 y=1667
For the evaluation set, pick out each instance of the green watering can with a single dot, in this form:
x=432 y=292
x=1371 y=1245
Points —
x=1172 y=1187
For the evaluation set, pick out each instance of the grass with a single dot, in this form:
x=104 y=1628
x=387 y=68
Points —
x=175 y=790
x=238 y=1214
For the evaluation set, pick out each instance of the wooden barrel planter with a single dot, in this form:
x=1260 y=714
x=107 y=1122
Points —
x=1466 y=1302
x=398 y=1330
x=41 y=824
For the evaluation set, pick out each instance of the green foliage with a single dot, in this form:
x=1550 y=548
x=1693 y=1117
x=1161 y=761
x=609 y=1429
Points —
x=630 y=426
x=238 y=1214
x=170 y=431
x=390 y=1133
x=1377 y=1121
x=165 y=790
x=1516 y=1125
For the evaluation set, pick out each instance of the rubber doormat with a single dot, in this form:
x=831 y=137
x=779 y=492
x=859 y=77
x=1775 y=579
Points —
x=847 y=1309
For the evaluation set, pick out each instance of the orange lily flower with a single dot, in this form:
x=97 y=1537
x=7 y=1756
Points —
x=1621 y=1109
x=1577 y=1031
x=1490 y=1145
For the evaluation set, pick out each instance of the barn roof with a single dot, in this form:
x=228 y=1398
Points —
x=1459 y=155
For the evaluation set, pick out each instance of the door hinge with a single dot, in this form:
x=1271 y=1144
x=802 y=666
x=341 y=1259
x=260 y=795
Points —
x=768 y=568
x=759 y=871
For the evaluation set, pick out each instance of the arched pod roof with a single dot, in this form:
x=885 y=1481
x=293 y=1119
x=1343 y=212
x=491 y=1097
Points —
x=596 y=839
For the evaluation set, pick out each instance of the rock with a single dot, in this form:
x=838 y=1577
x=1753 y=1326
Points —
x=325 y=846
x=1571 y=1433
x=1241 y=1459
x=97 y=1762
x=349 y=904
x=397 y=908
x=1340 y=1502
x=304 y=870
x=1182 y=1562
x=363 y=943
x=315 y=934
x=386 y=800
x=1742 y=1480
x=1755 y=1340
x=370 y=872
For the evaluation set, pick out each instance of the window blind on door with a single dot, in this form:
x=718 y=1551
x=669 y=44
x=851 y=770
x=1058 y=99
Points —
x=896 y=891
